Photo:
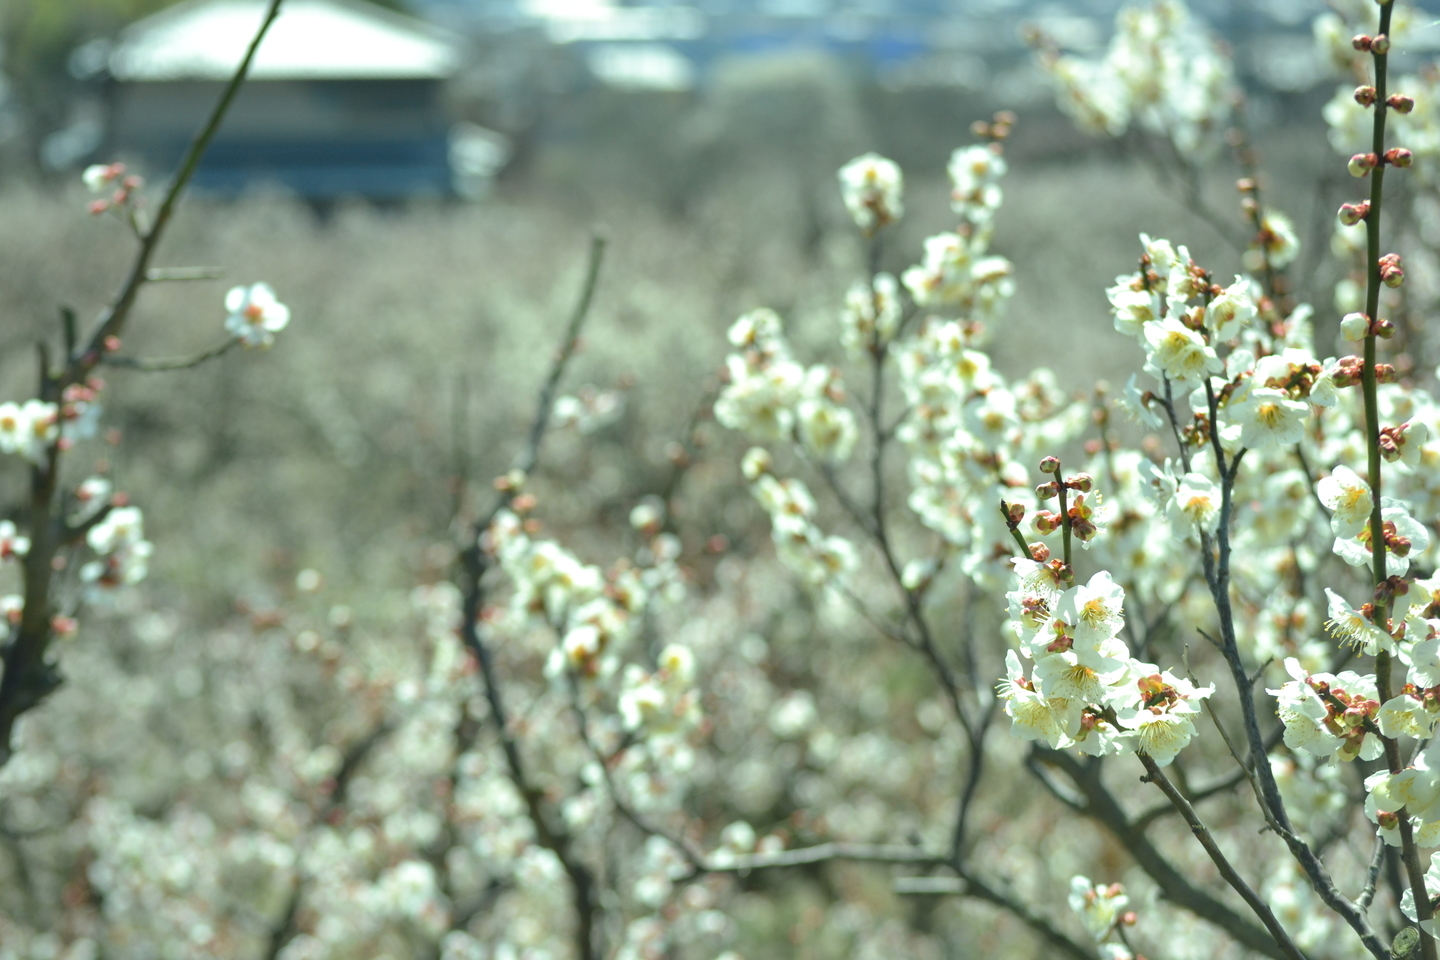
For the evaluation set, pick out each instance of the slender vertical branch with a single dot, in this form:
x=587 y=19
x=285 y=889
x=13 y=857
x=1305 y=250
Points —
x=550 y=832
x=1410 y=854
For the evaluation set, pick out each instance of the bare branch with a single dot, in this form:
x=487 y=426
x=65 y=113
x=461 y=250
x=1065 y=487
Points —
x=550 y=832
x=1262 y=910
x=171 y=363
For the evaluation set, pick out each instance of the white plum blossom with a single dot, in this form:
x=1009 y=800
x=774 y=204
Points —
x=12 y=544
x=1232 y=311
x=974 y=172
x=1099 y=906
x=1178 y=353
x=1033 y=715
x=1347 y=496
x=1404 y=535
x=254 y=315
x=1268 y=418
x=29 y=428
x=1195 y=506
x=1161 y=72
x=1158 y=720
x=871 y=315
x=871 y=187
x=1327 y=714
x=1352 y=626
x=1134 y=306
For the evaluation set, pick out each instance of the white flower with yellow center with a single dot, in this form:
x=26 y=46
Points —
x=1177 y=352
x=1351 y=626
x=1034 y=716
x=1195 y=507
x=1160 y=736
x=1347 y=496
x=1133 y=308
x=1092 y=613
x=1268 y=418
x=1064 y=676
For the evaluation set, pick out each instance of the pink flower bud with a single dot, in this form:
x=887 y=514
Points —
x=1365 y=96
x=1361 y=42
x=1383 y=329
x=1081 y=481
x=1048 y=491
x=1348 y=371
x=1380 y=45
x=1399 y=157
x=1400 y=103
x=1384 y=373
x=1391 y=273
x=1039 y=551
x=1049 y=464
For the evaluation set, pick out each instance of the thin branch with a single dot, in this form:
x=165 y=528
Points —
x=1177 y=887
x=474 y=563
x=1372 y=875
x=112 y=321
x=568 y=344
x=1261 y=909
x=171 y=363
x=824 y=852
x=28 y=678
x=182 y=274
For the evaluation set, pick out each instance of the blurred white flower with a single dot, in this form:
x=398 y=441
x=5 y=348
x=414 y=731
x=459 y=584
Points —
x=255 y=316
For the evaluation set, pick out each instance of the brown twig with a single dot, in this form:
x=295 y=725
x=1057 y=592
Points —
x=1247 y=893
x=550 y=832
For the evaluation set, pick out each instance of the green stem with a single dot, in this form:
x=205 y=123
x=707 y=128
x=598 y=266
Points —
x=1410 y=854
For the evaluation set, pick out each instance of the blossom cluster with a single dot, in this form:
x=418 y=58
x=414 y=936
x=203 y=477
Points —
x=1085 y=690
x=1162 y=73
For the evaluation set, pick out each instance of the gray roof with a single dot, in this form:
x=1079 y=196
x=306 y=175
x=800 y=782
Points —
x=310 y=40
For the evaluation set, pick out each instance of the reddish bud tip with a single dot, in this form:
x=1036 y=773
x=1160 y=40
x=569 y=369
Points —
x=1361 y=42
x=1365 y=96
x=1400 y=103
x=1399 y=157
